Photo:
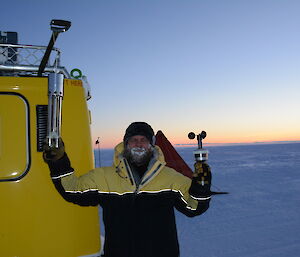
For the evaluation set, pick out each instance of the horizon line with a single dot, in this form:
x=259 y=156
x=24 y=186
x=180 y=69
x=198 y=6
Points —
x=242 y=143
x=227 y=144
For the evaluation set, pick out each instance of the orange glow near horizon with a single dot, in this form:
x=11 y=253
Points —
x=111 y=142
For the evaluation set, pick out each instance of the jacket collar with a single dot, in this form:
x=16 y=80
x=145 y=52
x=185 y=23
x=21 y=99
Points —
x=154 y=167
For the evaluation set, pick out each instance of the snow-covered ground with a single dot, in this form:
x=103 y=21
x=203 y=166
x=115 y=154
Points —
x=261 y=215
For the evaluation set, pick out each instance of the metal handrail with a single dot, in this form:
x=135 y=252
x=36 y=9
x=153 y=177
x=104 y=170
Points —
x=33 y=69
x=28 y=46
x=27 y=58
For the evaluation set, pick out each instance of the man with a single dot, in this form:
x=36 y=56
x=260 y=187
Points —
x=138 y=195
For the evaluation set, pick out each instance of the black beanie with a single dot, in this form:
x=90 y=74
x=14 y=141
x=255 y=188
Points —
x=139 y=129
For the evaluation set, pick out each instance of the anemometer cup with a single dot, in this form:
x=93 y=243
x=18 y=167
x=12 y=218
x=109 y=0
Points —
x=200 y=154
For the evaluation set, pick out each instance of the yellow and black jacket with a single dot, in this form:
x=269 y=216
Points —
x=139 y=219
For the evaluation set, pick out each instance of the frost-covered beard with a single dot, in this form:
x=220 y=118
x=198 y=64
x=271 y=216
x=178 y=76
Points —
x=138 y=155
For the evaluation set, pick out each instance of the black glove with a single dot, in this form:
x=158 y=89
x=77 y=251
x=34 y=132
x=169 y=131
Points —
x=52 y=154
x=57 y=159
x=201 y=181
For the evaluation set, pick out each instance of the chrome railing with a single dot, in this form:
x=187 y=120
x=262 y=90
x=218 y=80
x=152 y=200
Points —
x=25 y=60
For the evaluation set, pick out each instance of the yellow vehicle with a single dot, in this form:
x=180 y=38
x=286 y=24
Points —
x=37 y=103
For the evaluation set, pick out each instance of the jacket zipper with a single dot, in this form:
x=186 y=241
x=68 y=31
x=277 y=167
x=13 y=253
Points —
x=142 y=183
x=129 y=173
x=138 y=186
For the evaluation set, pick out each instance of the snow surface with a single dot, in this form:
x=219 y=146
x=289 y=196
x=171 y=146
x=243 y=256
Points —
x=261 y=215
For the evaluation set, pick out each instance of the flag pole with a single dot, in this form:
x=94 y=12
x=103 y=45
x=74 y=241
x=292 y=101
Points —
x=98 y=146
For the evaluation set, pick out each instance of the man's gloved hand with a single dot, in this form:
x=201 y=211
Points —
x=52 y=153
x=201 y=181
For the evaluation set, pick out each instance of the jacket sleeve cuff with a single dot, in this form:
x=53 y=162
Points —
x=199 y=192
x=60 y=168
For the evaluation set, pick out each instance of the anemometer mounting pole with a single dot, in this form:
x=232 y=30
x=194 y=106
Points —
x=55 y=87
x=57 y=26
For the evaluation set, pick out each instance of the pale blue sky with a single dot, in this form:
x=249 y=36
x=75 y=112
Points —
x=230 y=67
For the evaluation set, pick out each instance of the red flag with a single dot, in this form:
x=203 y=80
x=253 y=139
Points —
x=172 y=158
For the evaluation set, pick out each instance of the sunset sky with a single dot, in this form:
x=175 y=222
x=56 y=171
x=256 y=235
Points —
x=229 y=67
